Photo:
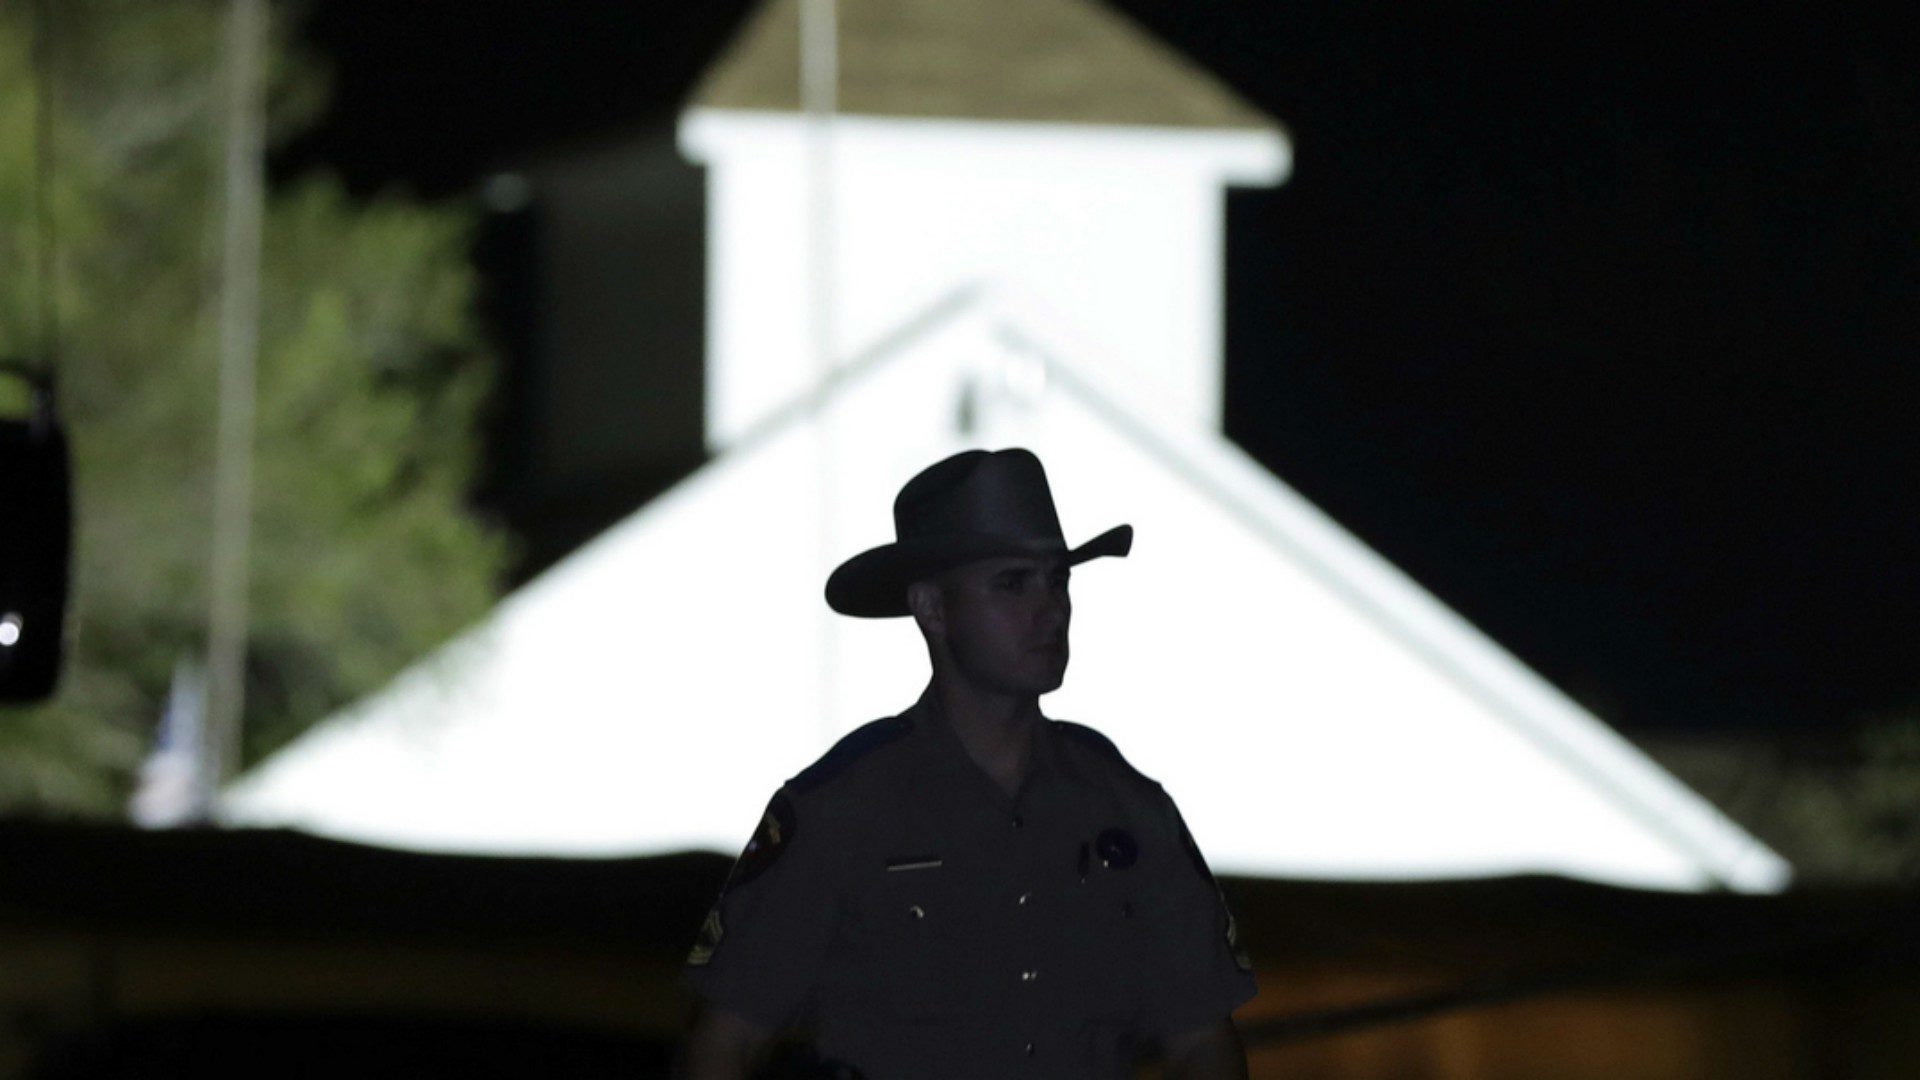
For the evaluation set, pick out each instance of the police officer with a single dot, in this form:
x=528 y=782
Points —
x=970 y=889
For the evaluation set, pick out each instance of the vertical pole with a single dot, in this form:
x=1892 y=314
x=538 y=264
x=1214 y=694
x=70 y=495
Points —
x=819 y=98
x=819 y=94
x=46 y=236
x=239 y=347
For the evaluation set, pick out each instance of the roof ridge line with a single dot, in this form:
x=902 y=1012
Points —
x=857 y=367
x=1728 y=868
x=998 y=59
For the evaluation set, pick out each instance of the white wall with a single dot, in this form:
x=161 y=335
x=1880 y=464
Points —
x=1119 y=230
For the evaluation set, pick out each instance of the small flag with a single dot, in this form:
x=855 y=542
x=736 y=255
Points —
x=172 y=789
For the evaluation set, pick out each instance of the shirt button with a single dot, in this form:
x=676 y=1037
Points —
x=1024 y=897
x=1029 y=975
x=1028 y=1049
x=1017 y=822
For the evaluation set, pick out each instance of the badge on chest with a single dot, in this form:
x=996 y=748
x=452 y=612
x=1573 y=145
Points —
x=1113 y=849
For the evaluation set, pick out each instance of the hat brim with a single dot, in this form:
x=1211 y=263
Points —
x=873 y=584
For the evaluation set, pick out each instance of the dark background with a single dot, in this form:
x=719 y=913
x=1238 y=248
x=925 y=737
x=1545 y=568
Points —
x=1599 y=320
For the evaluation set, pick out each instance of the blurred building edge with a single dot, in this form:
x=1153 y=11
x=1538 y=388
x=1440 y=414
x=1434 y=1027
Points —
x=1027 y=227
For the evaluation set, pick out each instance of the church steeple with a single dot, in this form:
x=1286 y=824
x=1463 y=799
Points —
x=1044 y=147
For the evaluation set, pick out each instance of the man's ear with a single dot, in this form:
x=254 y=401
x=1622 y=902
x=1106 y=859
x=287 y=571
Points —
x=928 y=607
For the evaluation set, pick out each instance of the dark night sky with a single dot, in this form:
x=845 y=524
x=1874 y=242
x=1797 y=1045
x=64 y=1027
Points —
x=1600 y=320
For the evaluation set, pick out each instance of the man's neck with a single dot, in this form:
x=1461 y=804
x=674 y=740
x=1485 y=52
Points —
x=996 y=729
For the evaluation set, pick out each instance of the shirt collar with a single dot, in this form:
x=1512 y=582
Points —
x=943 y=744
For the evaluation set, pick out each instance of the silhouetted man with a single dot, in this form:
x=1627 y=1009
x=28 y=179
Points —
x=969 y=889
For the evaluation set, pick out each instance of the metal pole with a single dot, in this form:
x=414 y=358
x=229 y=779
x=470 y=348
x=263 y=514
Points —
x=239 y=348
x=46 y=235
x=819 y=98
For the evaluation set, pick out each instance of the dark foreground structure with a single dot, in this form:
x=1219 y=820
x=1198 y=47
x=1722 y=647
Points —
x=211 y=954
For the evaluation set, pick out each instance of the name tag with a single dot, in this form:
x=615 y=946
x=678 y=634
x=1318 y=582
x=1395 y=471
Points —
x=914 y=862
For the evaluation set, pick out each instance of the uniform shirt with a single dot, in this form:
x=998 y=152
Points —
x=923 y=923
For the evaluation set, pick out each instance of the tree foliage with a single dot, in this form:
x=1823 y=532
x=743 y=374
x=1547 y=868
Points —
x=1857 y=821
x=371 y=376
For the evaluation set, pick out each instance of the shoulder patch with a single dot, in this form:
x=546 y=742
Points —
x=703 y=946
x=1099 y=744
x=776 y=831
x=1229 y=928
x=853 y=746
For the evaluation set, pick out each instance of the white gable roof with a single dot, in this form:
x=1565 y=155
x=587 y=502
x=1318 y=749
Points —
x=1315 y=712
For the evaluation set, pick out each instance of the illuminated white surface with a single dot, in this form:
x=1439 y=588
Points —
x=1314 y=712
x=1117 y=228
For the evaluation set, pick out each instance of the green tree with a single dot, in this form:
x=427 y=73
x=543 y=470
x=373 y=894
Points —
x=372 y=374
x=1856 y=820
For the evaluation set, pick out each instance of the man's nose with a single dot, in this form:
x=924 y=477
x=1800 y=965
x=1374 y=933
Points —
x=1056 y=610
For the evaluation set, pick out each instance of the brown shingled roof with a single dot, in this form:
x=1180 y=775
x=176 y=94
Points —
x=1043 y=60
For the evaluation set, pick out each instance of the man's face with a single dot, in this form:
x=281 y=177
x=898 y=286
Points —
x=1005 y=622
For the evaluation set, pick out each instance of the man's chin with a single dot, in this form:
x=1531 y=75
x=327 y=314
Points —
x=1036 y=685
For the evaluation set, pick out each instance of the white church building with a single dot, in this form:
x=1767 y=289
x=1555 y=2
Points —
x=989 y=224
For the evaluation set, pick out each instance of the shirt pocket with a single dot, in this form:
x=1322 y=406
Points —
x=930 y=949
x=1103 y=941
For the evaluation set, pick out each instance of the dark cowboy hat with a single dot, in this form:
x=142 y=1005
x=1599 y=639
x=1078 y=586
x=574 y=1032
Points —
x=974 y=505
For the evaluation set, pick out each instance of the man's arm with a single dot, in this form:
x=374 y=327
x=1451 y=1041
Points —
x=1209 y=1052
x=763 y=944
x=722 y=1045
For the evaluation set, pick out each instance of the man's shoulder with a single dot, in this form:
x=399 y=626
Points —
x=1141 y=794
x=857 y=748
x=1094 y=745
